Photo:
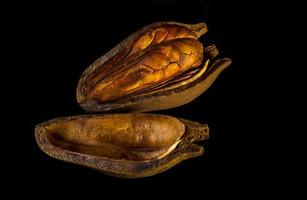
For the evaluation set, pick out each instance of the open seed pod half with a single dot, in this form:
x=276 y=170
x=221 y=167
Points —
x=123 y=145
x=161 y=66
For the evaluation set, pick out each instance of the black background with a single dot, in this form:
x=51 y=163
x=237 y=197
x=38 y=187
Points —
x=54 y=43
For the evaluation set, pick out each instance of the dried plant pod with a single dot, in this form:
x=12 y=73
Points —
x=123 y=145
x=161 y=66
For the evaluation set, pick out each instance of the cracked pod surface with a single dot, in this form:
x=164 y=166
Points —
x=123 y=145
x=161 y=66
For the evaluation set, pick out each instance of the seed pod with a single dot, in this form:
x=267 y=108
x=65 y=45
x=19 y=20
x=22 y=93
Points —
x=161 y=66
x=123 y=145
